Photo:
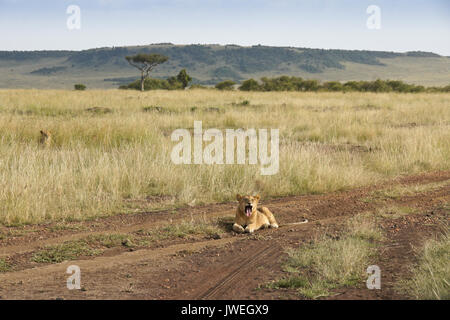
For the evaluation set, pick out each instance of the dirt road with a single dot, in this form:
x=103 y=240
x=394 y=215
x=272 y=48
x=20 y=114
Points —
x=223 y=266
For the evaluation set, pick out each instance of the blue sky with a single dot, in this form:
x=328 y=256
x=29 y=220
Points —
x=406 y=25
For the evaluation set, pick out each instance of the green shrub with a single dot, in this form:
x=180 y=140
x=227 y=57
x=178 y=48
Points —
x=197 y=86
x=250 y=85
x=310 y=85
x=352 y=86
x=226 y=85
x=155 y=84
x=80 y=87
x=333 y=86
x=283 y=83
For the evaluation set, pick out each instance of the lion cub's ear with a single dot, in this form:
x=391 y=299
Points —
x=238 y=197
x=45 y=134
x=257 y=197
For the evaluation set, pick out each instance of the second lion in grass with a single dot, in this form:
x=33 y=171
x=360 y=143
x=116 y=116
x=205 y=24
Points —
x=45 y=139
x=250 y=218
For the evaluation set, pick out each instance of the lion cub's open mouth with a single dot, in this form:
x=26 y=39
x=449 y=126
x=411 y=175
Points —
x=248 y=210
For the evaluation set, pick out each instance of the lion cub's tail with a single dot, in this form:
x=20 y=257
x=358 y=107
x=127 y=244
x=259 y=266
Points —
x=295 y=223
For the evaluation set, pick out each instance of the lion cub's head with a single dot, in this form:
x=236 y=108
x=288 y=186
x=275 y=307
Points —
x=46 y=138
x=248 y=204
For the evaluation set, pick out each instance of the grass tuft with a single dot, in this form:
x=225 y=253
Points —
x=430 y=277
x=183 y=230
x=328 y=263
x=394 y=211
x=398 y=191
x=66 y=251
x=4 y=266
x=110 y=240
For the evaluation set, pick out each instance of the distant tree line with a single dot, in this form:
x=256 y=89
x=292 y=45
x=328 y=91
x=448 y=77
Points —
x=286 y=83
x=147 y=62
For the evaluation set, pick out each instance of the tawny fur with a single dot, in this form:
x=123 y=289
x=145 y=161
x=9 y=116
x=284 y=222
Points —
x=259 y=218
x=45 y=139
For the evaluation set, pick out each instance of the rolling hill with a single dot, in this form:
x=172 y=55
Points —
x=209 y=64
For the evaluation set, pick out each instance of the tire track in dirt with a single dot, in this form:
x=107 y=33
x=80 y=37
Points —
x=324 y=209
x=22 y=249
x=38 y=274
x=288 y=209
x=228 y=279
x=235 y=273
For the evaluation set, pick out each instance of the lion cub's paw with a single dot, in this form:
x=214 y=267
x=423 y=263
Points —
x=238 y=228
x=249 y=230
x=274 y=225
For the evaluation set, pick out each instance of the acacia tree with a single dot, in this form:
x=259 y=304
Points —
x=146 y=63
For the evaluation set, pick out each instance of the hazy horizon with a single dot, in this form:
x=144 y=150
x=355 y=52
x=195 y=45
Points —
x=324 y=24
x=215 y=44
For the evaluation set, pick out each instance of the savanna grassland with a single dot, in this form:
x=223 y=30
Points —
x=111 y=149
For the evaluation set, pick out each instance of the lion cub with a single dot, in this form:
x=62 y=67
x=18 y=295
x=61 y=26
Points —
x=250 y=218
x=45 y=139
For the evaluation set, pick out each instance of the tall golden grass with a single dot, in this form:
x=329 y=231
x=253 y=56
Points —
x=117 y=159
x=430 y=276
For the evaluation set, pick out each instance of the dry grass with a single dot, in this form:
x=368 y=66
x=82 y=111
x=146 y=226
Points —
x=201 y=226
x=364 y=226
x=430 y=277
x=329 y=263
x=399 y=191
x=69 y=250
x=101 y=163
x=394 y=211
